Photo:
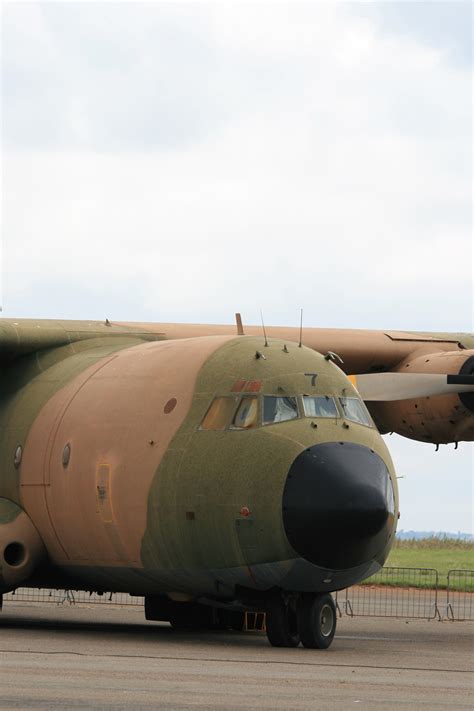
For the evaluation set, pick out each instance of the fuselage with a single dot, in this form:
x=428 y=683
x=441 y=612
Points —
x=192 y=467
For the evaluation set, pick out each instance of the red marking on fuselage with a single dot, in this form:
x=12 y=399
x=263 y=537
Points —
x=253 y=386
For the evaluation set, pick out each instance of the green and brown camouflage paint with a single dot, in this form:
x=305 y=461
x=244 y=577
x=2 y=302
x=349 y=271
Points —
x=119 y=510
x=147 y=501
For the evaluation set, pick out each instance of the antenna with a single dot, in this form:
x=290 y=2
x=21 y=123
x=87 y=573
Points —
x=301 y=330
x=263 y=326
x=240 y=328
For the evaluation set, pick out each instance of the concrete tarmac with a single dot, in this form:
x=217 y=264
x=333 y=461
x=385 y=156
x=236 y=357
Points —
x=107 y=657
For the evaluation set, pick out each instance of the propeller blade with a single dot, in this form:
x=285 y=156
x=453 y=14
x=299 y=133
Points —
x=406 y=386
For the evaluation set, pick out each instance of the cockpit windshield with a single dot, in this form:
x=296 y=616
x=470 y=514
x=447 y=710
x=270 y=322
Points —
x=319 y=406
x=247 y=412
x=279 y=409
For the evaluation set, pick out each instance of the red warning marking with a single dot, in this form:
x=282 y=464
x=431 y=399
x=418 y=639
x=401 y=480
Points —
x=238 y=386
x=253 y=386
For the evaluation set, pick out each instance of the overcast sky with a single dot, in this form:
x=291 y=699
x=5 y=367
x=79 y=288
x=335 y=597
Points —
x=180 y=162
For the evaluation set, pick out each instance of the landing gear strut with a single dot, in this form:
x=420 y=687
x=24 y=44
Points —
x=310 y=619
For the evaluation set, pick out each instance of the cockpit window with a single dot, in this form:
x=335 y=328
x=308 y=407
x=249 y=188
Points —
x=319 y=406
x=246 y=416
x=355 y=410
x=279 y=409
x=219 y=413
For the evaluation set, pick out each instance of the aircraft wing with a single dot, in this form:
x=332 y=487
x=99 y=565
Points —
x=362 y=350
x=19 y=337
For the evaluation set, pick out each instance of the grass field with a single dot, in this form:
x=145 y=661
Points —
x=441 y=554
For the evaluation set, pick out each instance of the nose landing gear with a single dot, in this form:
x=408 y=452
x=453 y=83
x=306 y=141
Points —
x=317 y=620
x=310 y=618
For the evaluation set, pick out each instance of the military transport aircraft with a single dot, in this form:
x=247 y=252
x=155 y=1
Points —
x=214 y=469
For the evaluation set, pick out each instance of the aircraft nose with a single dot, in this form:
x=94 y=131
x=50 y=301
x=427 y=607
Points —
x=338 y=504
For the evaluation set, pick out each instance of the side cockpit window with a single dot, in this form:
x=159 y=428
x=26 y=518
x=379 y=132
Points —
x=355 y=410
x=219 y=414
x=319 y=406
x=246 y=416
x=279 y=409
x=238 y=414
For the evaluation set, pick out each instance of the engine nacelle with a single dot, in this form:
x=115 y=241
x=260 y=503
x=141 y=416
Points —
x=439 y=419
x=21 y=547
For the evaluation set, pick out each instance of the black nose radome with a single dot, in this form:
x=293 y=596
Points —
x=338 y=504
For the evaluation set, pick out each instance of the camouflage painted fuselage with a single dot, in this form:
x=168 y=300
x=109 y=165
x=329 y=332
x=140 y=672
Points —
x=109 y=482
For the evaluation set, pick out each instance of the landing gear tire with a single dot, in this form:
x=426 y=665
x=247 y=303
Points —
x=317 y=620
x=282 y=622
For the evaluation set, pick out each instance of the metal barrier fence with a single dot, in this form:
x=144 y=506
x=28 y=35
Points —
x=60 y=597
x=460 y=595
x=392 y=592
x=396 y=592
